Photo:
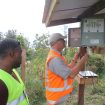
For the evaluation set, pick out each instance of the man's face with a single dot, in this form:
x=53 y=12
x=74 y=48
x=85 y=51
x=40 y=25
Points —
x=17 y=57
x=61 y=43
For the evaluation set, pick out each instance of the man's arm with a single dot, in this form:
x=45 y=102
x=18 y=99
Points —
x=3 y=93
x=74 y=60
x=59 y=67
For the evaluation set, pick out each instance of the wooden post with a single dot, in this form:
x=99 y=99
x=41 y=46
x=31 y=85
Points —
x=23 y=64
x=81 y=86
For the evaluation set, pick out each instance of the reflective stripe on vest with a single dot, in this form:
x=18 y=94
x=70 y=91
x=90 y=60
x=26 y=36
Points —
x=66 y=87
x=51 y=102
x=17 y=101
x=56 y=102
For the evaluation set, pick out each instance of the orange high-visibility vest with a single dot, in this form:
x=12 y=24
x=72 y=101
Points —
x=56 y=86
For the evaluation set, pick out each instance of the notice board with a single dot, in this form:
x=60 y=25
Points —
x=93 y=32
x=74 y=37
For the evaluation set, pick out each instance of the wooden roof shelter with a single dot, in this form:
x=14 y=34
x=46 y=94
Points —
x=57 y=12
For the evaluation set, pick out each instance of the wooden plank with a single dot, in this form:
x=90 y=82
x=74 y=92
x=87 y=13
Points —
x=81 y=94
x=63 y=21
x=81 y=87
x=23 y=64
x=87 y=80
x=93 y=9
x=51 y=9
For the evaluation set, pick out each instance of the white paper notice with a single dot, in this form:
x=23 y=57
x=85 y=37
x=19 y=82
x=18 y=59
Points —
x=87 y=73
x=94 y=41
x=93 y=25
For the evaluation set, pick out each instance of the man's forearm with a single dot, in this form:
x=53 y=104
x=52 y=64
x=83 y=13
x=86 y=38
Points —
x=79 y=66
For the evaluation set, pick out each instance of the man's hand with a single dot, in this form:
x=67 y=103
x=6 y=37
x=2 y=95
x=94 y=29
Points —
x=79 y=66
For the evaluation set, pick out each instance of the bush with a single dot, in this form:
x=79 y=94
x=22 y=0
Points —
x=99 y=88
x=34 y=86
x=69 y=53
x=96 y=64
x=34 y=80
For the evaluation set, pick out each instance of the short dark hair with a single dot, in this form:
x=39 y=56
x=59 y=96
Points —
x=8 y=44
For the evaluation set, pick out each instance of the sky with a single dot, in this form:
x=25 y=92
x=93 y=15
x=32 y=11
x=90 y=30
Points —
x=25 y=16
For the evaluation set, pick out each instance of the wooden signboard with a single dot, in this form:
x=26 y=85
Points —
x=74 y=36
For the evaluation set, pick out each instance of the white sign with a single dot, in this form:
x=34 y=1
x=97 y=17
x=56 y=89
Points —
x=93 y=25
x=94 y=41
x=87 y=73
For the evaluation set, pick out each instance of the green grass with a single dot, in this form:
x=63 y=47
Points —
x=94 y=94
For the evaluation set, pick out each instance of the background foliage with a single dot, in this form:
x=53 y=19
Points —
x=35 y=66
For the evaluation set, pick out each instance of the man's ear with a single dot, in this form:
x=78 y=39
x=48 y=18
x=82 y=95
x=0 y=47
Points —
x=11 y=53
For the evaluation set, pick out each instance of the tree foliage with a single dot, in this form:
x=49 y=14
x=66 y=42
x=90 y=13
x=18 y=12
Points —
x=1 y=36
x=24 y=42
x=41 y=41
x=39 y=44
x=11 y=34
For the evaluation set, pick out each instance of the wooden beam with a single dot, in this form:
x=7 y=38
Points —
x=50 y=12
x=93 y=9
x=81 y=94
x=63 y=21
x=81 y=87
x=46 y=10
x=100 y=15
x=23 y=65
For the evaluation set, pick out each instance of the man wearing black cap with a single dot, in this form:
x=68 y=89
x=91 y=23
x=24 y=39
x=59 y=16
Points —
x=58 y=74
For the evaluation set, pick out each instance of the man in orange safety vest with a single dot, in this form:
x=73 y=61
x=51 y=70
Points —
x=58 y=74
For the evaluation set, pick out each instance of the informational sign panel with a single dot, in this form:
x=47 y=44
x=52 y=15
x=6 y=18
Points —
x=92 y=32
x=74 y=37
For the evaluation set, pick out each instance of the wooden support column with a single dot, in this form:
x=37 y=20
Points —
x=23 y=64
x=81 y=87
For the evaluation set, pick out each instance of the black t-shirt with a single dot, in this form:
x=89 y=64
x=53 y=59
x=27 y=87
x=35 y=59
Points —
x=3 y=93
